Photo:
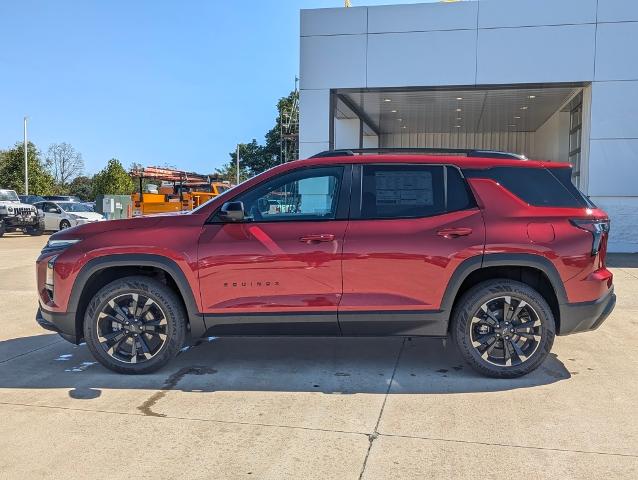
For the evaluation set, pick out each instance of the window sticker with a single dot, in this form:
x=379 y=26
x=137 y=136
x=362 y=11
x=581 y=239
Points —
x=404 y=188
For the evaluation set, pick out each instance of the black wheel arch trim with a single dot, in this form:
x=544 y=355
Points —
x=195 y=318
x=478 y=262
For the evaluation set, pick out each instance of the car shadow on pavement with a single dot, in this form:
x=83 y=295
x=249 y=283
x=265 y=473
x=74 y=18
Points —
x=622 y=260
x=277 y=364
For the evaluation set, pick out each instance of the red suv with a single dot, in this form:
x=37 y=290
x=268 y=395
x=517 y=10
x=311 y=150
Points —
x=501 y=253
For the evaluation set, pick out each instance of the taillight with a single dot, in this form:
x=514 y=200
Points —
x=598 y=228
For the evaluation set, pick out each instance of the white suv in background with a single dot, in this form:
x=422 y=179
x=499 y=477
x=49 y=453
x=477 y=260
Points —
x=61 y=215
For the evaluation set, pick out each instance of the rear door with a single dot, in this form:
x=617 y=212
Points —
x=411 y=225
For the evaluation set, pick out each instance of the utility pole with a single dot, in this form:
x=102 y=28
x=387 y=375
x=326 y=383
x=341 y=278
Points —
x=26 y=163
x=237 y=164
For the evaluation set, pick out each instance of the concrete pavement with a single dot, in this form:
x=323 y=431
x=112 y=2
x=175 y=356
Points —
x=313 y=408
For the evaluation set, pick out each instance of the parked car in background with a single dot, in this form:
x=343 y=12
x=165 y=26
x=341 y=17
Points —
x=91 y=205
x=62 y=215
x=500 y=253
x=15 y=215
x=62 y=198
x=31 y=199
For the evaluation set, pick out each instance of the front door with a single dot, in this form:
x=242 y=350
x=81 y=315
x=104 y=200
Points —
x=279 y=271
x=411 y=226
x=52 y=216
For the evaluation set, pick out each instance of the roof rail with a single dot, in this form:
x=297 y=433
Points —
x=469 y=152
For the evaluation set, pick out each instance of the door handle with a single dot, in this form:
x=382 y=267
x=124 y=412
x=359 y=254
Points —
x=454 y=232
x=322 y=237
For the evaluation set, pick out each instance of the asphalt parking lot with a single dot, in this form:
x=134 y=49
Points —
x=313 y=408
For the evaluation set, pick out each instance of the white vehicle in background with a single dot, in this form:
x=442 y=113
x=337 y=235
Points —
x=62 y=215
x=15 y=215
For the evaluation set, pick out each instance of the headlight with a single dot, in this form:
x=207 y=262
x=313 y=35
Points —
x=48 y=282
x=53 y=245
x=10 y=209
x=74 y=217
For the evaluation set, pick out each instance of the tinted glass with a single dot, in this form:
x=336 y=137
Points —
x=459 y=196
x=309 y=194
x=536 y=186
x=402 y=191
x=564 y=176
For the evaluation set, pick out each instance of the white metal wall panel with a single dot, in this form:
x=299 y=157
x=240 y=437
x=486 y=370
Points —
x=333 y=21
x=536 y=54
x=427 y=58
x=520 y=13
x=314 y=113
x=613 y=167
x=518 y=142
x=308 y=149
x=422 y=17
x=337 y=61
x=617 y=10
x=614 y=110
x=616 y=57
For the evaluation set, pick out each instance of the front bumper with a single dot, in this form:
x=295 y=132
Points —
x=584 y=316
x=61 y=323
x=22 y=221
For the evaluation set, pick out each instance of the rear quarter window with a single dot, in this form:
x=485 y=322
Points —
x=535 y=186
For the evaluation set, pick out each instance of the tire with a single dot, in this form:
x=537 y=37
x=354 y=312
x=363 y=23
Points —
x=133 y=343
x=2 y=229
x=64 y=224
x=35 y=231
x=482 y=338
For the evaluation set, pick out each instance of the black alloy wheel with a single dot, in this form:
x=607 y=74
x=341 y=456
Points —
x=132 y=328
x=503 y=328
x=135 y=325
x=505 y=331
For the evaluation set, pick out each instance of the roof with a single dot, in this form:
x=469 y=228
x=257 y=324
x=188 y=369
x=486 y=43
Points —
x=457 y=160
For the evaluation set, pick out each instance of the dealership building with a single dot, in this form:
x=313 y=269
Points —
x=551 y=79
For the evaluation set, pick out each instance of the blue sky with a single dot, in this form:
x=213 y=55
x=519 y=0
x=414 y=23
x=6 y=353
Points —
x=154 y=82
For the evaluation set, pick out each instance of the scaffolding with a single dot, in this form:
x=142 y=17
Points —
x=289 y=129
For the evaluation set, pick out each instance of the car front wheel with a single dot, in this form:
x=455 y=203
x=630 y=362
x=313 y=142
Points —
x=503 y=328
x=135 y=325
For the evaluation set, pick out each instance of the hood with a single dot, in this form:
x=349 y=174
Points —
x=88 y=215
x=5 y=204
x=89 y=229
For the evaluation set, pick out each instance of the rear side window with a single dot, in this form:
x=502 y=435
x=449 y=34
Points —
x=412 y=191
x=535 y=186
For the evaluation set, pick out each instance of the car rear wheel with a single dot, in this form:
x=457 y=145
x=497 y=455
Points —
x=64 y=224
x=135 y=325
x=503 y=328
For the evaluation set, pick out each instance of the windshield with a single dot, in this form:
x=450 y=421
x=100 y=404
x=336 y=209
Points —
x=8 y=196
x=74 y=207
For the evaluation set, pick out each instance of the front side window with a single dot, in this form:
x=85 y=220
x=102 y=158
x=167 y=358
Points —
x=308 y=194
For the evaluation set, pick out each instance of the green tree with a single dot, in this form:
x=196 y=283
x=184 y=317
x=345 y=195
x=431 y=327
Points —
x=82 y=187
x=12 y=170
x=112 y=180
x=256 y=158
x=229 y=172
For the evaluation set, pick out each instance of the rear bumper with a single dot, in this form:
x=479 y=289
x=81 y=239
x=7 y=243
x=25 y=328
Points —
x=584 y=316
x=61 y=323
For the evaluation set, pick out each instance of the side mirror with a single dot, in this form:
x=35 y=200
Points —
x=232 y=212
